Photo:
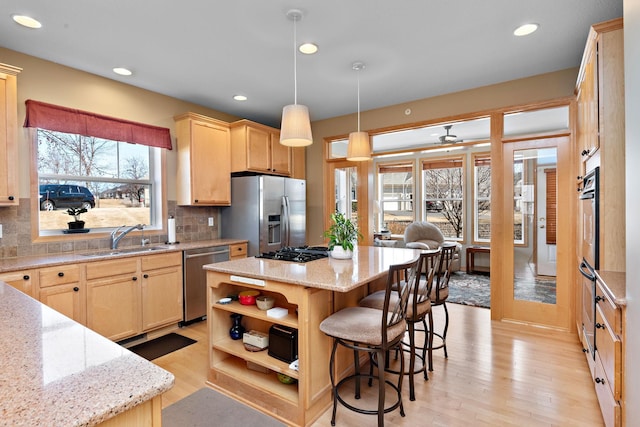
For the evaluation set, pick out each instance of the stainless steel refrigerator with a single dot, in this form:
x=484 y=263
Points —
x=268 y=211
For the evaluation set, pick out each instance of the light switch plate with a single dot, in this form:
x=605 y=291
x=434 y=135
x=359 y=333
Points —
x=0 y=231
x=210 y=221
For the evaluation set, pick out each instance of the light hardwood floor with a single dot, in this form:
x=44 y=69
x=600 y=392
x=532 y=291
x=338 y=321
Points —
x=497 y=374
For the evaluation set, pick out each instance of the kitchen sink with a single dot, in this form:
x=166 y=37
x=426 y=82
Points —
x=142 y=249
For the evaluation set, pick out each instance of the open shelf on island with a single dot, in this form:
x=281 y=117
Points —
x=254 y=312
x=236 y=368
x=262 y=358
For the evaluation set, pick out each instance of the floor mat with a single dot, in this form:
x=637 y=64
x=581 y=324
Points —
x=207 y=407
x=160 y=346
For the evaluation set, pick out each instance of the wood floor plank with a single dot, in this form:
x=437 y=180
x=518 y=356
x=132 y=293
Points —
x=497 y=374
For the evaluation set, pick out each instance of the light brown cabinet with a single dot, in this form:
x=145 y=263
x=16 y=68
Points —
x=8 y=135
x=601 y=133
x=21 y=280
x=237 y=251
x=203 y=170
x=257 y=148
x=63 y=289
x=129 y=296
x=609 y=366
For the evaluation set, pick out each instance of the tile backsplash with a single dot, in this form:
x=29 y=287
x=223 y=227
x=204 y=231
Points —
x=191 y=225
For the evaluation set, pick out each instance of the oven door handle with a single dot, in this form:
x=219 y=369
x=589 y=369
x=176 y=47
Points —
x=588 y=273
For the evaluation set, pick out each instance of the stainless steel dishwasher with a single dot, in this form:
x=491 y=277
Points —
x=195 y=280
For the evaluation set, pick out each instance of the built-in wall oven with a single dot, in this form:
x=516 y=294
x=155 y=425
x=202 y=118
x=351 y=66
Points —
x=589 y=246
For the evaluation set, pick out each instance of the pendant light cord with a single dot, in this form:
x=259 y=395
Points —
x=295 y=63
x=358 y=100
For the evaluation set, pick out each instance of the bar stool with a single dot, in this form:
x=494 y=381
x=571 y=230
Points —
x=439 y=295
x=418 y=310
x=375 y=332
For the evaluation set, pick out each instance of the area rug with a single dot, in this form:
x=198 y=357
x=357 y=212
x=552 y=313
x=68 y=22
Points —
x=207 y=407
x=475 y=289
x=469 y=289
x=160 y=346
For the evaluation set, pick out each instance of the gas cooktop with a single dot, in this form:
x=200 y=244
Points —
x=299 y=254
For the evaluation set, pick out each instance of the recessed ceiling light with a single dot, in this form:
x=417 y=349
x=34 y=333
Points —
x=526 y=29
x=27 y=21
x=308 y=48
x=122 y=71
x=239 y=97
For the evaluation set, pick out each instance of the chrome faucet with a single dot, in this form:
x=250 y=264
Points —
x=115 y=237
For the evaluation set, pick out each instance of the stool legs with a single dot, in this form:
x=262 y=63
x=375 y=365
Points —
x=443 y=336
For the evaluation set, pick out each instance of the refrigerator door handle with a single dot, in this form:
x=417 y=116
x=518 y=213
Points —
x=285 y=221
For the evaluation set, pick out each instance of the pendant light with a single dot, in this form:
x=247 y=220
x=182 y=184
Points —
x=359 y=148
x=296 y=127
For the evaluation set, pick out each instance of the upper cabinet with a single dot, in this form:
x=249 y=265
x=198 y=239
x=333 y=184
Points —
x=204 y=175
x=601 y=133
x=257 y=148
x=8 y=135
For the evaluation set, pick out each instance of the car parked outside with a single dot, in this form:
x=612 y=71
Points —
x=434 y=206
x=59 y=196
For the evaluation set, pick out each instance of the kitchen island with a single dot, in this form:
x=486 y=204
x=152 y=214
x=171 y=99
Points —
x=309 y=292
x=56 y=372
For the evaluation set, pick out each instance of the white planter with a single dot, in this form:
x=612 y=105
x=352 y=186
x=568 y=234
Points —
x=338 y=252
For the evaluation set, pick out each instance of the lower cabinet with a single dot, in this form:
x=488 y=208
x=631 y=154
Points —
x=62 y=289
x=126 y=297
x=161 y=290
x=21 y=280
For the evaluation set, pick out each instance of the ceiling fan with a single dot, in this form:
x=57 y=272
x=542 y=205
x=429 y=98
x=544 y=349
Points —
x=448 y=138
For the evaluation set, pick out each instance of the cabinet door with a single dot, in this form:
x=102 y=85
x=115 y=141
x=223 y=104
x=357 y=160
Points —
x=21 y=280
x=258 y=142
x=210 y=164
x=298 y=165
x=280 y=156
x=161 y=297
x=113 y=306
x=8 y=137
x=68 y=299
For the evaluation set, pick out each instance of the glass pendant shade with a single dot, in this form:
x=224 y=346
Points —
x=295 y=128
x=359 y=148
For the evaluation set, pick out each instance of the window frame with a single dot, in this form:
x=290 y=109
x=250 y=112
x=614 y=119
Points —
x=483 y=157
x=158 y=213
x=380 y=199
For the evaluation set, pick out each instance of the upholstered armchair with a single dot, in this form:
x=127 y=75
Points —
x=425 y=235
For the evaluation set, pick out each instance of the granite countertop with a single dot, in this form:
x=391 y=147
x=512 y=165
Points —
x=56 y=372
x=20 y=263
x=368 y=263
x=614 y=283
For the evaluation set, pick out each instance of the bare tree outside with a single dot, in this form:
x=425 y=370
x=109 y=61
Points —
x=136 y=168
x=446 y=185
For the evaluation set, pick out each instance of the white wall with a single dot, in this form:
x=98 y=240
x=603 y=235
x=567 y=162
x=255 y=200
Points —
x=632 y=101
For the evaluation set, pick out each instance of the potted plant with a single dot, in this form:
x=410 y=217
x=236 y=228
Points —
x=342 y=234
x=77 y=223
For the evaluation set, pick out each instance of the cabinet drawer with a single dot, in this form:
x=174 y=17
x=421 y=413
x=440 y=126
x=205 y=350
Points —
x=238 y=250
x=609 y=406
x=610 y=311
x=96 y=270
x=609 y=350
x=151 y=262
x=52 y=276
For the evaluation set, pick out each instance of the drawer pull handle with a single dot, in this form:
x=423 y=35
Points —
x=11 y=198
x=600 y=380
x=26 y=277
x=599 y=298
x=146 y=276
x=61 y=274
x=134 y=278
x=76 y=289
x=600 y=326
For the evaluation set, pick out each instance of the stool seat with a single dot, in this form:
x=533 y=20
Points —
x=360 y=324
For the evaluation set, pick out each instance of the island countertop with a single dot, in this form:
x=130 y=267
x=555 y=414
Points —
x=56 y=372
x=368 y=264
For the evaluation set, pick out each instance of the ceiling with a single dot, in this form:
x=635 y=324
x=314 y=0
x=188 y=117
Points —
x=206 y=51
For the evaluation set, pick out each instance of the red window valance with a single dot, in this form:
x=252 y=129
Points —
x=69 y=120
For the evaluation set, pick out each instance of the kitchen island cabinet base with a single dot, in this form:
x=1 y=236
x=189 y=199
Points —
x=295 y=404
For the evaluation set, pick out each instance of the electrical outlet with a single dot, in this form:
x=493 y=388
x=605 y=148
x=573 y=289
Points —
x=0 y=231
x=210 y=221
